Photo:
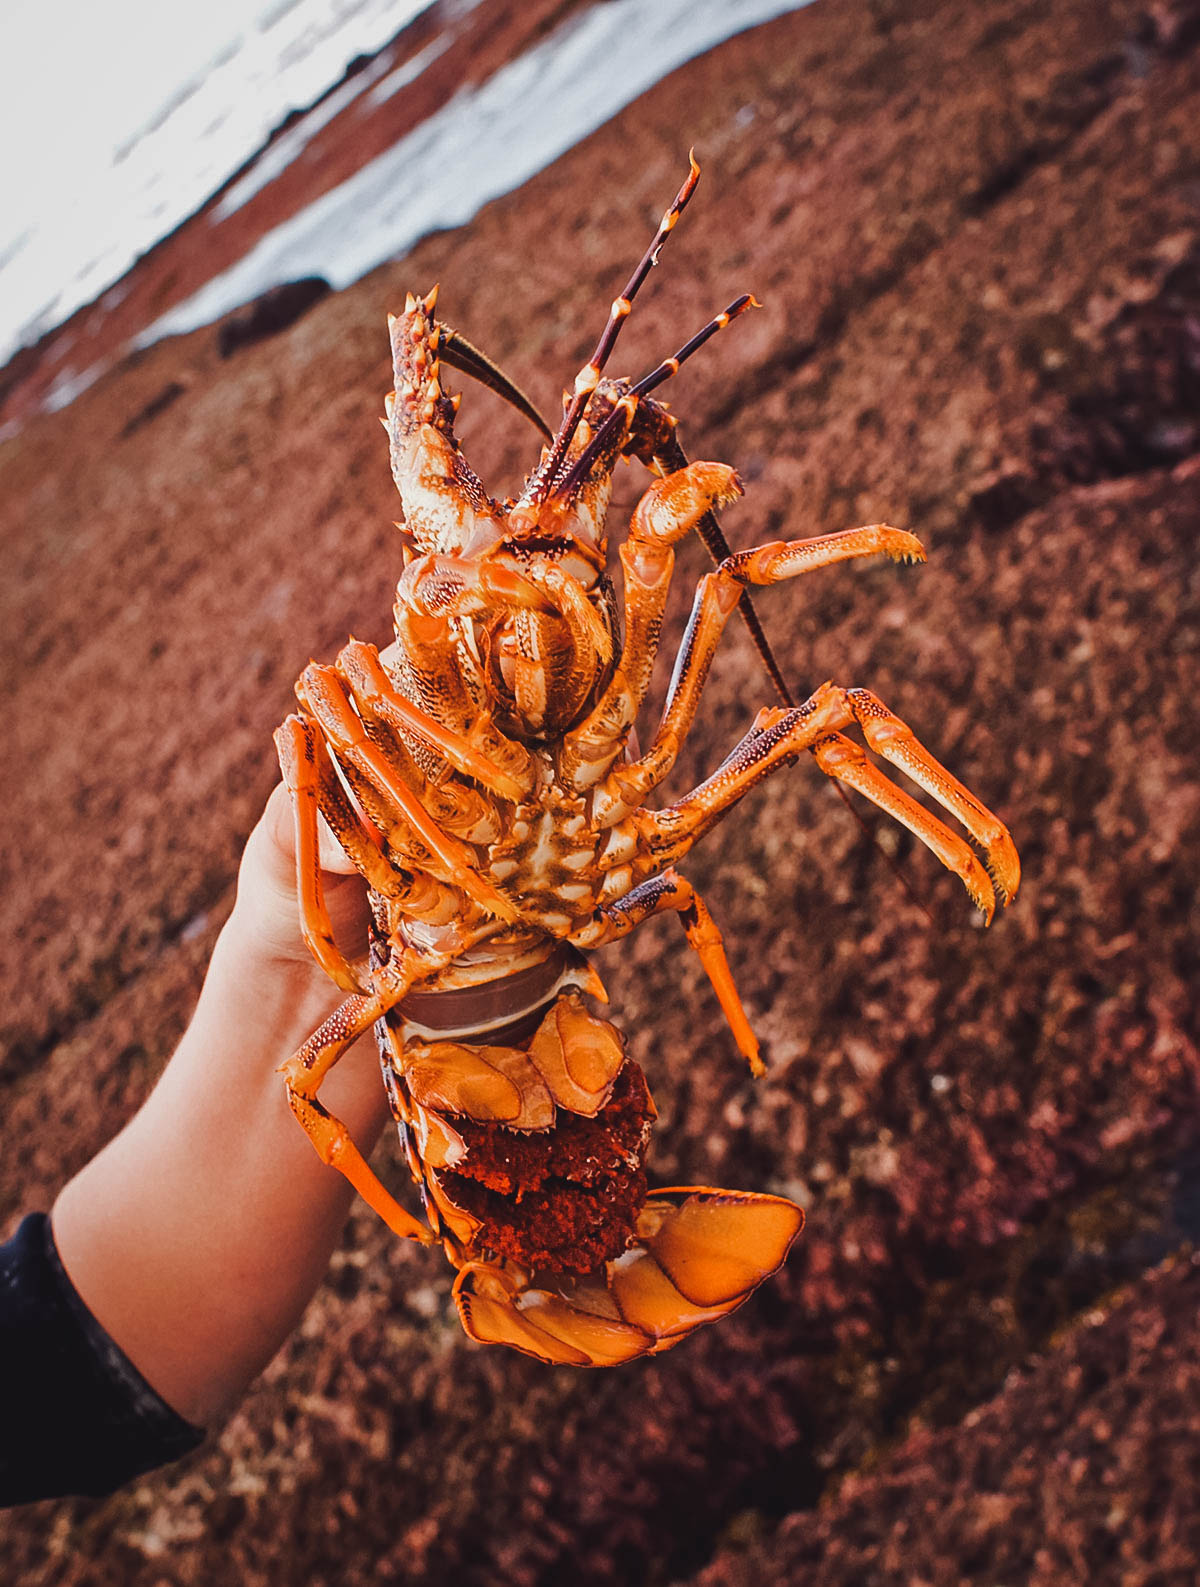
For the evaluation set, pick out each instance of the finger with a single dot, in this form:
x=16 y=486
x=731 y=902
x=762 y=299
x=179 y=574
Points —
x=277 y=819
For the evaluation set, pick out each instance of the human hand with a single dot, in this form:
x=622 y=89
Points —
x=197 y=1236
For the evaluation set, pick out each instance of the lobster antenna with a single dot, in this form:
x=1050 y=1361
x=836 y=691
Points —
x=588 y=377
x=627 y=405
x=460 y=354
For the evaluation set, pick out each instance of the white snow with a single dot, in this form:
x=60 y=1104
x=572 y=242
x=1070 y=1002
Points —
x=275 y=159
x=118 y=119
x=481 y=144
x=410 y=71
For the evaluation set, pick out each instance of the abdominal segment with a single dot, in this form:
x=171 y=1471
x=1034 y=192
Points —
x=533 y=1150
x=567 y=1198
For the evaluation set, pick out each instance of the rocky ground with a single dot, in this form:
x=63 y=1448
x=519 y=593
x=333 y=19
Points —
x=976 y=231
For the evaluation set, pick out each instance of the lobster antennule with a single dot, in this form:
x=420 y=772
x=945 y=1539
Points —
x=583 y=464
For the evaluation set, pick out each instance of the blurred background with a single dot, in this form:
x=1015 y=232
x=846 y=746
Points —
x=976 y=233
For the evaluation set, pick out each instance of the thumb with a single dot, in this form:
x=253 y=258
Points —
x=280 y=827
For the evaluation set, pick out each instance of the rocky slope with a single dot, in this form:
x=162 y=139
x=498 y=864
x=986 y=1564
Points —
x=977 y=235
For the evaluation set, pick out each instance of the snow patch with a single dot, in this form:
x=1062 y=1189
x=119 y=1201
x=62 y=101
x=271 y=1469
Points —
x=483 y=143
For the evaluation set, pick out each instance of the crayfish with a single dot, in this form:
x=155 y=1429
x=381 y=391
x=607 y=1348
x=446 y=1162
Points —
x=481 y=776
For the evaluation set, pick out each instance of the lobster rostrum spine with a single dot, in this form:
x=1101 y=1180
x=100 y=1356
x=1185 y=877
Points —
x=478 y=774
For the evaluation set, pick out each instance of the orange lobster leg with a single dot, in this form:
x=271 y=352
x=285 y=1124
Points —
x=301 y=754
x=669 y=510
x=427 y=666
x=842 y=759
x=717 y=596
x=888 y=736
x=667 y=457
x=355 y=833
x=303 y=1074
x=323 y=692
x=374 y=691
x=779 y=736
x=672 y=892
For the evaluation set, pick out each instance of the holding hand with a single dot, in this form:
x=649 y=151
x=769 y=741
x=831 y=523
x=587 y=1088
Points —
x=198 y=1235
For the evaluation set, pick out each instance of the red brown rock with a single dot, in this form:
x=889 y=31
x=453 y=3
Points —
x=271 y=312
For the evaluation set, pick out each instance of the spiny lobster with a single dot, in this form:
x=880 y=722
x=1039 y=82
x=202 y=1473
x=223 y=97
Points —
x=480 y=776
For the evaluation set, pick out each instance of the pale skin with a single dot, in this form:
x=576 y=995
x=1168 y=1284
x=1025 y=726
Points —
x=199 y=1234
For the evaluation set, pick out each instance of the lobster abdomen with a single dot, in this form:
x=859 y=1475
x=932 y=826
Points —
x=531 y=1160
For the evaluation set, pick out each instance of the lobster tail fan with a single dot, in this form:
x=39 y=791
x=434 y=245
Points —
x=715 y=1247
x=549 y=1324
x=699 y=1254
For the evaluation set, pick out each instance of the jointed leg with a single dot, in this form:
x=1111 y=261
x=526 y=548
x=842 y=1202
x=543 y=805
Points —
x=778 y=737
x=888 y=736
x=303 y=1074
x=668 y=457
x=842 y=759
x=324 y=694
x=668 y=511
x=375 y=694
x=717 y=595
x=670 y=891
x=302 y=759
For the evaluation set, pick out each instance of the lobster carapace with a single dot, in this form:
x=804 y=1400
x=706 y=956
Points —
x=480 y=776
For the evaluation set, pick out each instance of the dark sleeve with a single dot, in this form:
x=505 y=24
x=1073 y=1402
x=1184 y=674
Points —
x=76 y=1416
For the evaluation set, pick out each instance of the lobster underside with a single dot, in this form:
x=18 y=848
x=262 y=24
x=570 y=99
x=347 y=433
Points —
x=481 y=777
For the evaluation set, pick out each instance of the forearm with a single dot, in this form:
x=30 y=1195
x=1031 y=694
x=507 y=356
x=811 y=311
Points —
x=198 y=1235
